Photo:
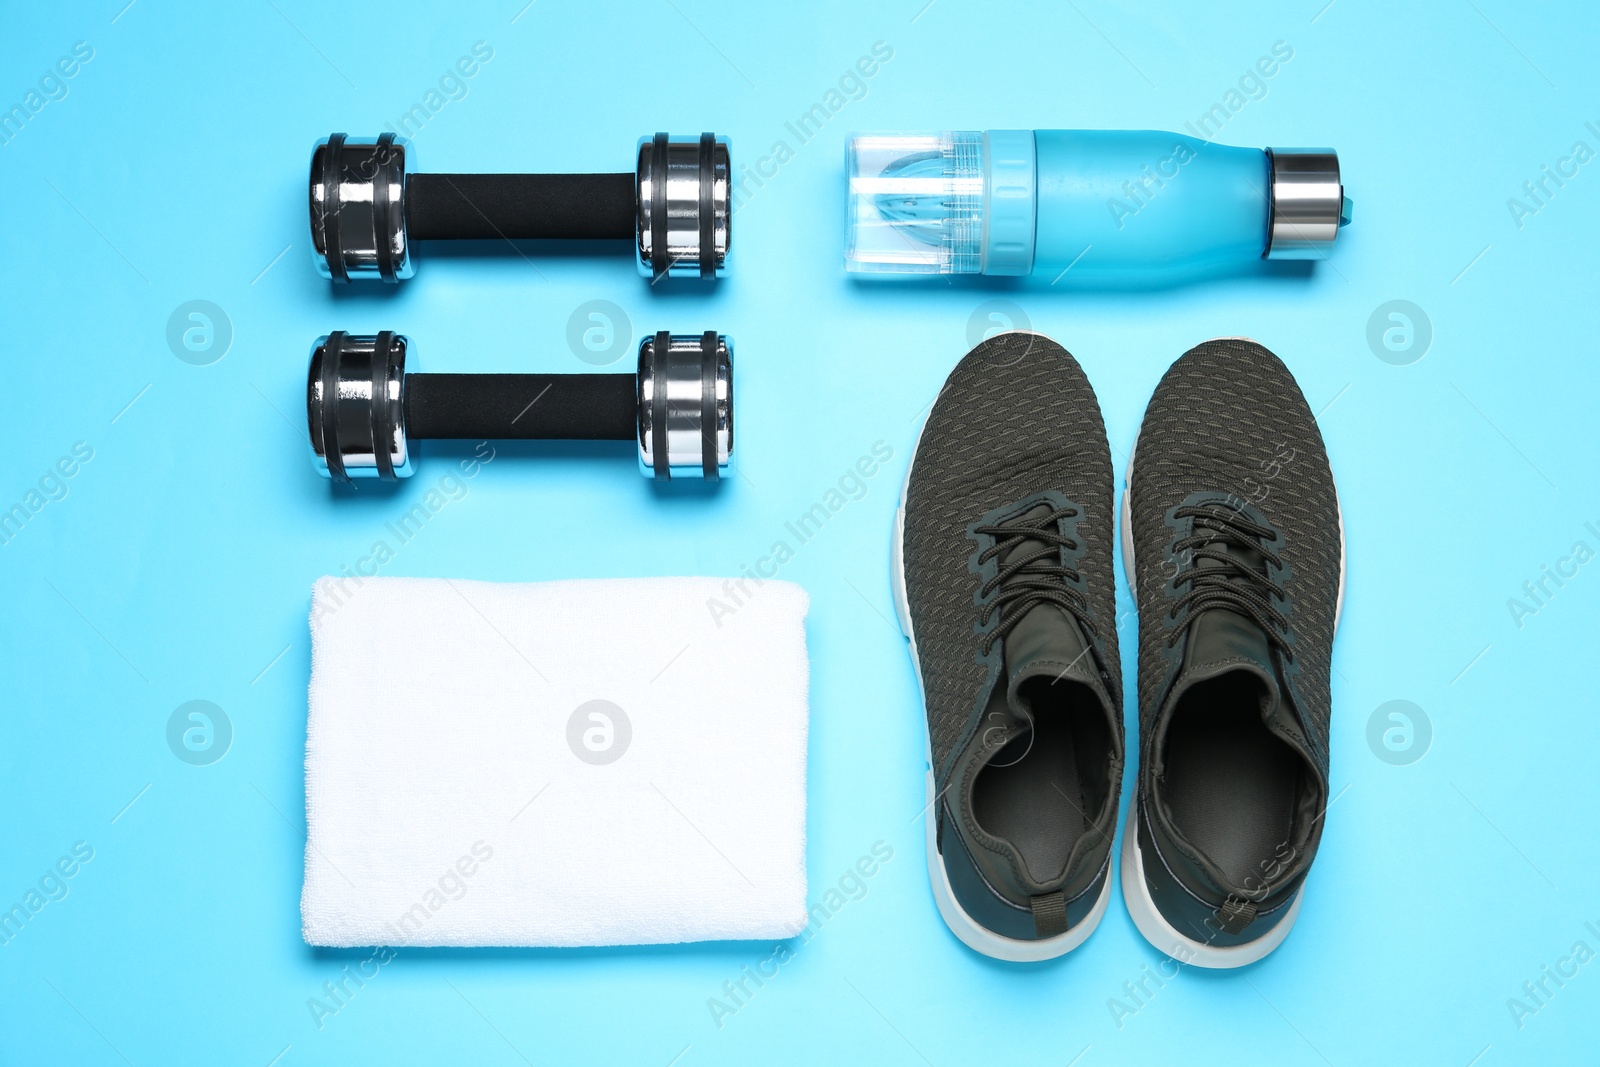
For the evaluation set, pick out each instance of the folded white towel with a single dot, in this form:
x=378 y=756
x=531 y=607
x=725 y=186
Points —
x=605 y=762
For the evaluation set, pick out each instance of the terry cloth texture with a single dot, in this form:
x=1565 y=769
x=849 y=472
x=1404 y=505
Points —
x=594 y=762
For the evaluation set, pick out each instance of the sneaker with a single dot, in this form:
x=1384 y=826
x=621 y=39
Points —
x=1005 y=590
x=1234 y=551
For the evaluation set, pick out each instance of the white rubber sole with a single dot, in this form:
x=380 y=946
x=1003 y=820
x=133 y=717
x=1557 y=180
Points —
x=1135 y=893
x=1161 y=934
x=972 y=934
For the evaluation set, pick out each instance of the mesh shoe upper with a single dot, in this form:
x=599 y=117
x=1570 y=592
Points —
x=1227 y=423
x=1015 y=420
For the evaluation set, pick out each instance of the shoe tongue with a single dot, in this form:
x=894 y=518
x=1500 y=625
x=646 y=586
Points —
x=1221 y=640
x=1046 y=641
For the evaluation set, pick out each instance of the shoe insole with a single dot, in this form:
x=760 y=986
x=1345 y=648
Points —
x=1231 y=788
x=1046 y=801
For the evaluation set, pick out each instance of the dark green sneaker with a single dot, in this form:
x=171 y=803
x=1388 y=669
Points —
x=1234 y=552
x=1005 y=588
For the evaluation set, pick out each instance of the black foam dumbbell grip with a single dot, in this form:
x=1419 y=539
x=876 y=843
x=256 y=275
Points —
x=521 y=206
x=584 y=407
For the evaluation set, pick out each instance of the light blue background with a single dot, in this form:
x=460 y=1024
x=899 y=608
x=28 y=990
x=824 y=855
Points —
x=179 y=565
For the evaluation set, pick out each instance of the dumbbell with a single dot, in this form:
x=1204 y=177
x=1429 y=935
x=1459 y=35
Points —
x=368 y=205
x=364 y=411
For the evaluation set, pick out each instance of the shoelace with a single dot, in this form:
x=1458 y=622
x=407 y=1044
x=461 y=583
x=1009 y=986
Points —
x=1232 y=583
x=1031 y=578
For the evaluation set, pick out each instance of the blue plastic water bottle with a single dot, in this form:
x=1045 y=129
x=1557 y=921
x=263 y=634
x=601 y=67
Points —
x=1100 y=202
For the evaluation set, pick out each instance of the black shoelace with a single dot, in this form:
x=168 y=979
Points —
x=1030 y=578
x=1232 y=582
